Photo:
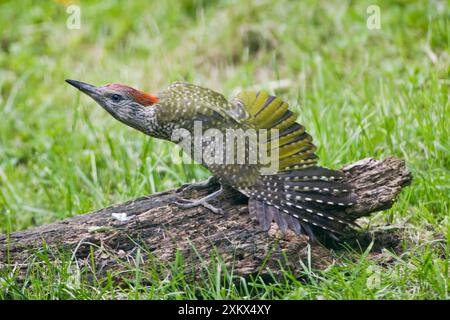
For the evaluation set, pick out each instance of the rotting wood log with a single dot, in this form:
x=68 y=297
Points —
x=160 y=229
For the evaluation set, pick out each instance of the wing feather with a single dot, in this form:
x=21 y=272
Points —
x=264 y=111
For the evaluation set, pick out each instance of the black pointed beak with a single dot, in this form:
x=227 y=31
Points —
x=89 y=89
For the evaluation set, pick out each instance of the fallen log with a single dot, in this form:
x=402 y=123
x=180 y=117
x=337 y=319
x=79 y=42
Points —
x=161 y=231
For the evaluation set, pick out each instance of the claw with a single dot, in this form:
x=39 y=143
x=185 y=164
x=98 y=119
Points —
x=198 y=185
x=203 y=202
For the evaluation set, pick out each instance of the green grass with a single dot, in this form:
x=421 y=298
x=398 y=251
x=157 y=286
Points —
x=359 y=92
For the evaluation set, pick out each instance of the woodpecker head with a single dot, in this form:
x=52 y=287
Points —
x=126 y=104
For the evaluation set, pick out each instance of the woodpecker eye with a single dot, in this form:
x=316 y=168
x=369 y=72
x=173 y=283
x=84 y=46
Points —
x=116 y=97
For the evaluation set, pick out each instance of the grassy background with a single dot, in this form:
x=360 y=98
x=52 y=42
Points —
x=360 y=93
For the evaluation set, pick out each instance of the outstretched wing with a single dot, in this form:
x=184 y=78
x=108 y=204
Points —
x=249 y=109
x=302 y=196
x=264 y=111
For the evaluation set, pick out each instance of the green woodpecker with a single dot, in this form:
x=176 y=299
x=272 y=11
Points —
x=298 y=194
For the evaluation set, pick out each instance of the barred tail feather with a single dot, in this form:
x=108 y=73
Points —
x=305 y=201
x=266 y=213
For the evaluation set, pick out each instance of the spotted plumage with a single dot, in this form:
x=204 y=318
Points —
x=297 y=195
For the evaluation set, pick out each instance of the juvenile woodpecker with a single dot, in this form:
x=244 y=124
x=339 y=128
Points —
x=299 y=194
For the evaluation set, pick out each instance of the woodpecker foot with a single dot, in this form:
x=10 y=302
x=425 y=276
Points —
x=203 y=202
x=212 y=180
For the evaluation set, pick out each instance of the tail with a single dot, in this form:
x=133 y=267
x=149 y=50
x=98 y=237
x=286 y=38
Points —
x=307 y=200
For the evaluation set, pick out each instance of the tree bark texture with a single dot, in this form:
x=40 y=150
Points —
x=160 y=231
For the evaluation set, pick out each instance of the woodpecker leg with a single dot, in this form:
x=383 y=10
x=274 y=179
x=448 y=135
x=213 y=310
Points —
x=203 y=202
x=212 y=180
